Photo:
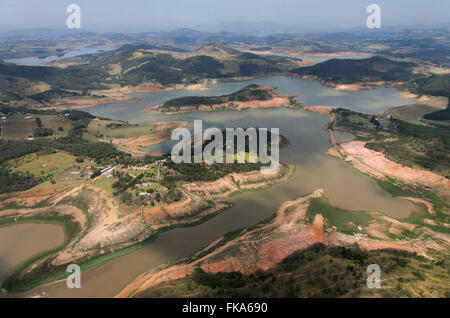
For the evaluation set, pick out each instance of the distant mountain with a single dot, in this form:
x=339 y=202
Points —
x=257 y=27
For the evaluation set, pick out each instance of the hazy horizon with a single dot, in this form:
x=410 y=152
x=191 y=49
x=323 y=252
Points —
x=213 y=15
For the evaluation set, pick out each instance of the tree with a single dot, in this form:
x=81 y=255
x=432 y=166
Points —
x=38 y=122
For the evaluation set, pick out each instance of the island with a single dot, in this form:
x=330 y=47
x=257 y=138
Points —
x=251 y=96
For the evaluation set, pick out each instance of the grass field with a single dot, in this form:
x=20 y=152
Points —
x=54 y=166
x=99 y=129
x=411 y=113
x=105 y=184
x=20 y=126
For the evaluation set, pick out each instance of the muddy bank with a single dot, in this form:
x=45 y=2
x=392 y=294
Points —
x=376 y=164
x=323 y=110
x=203 y=199
x=104 y=227
x=276 y=100
x=190 y=210
x=352 y=86
x=118 y=95
x=236 y=182
x=268 y=244
x=107 y=226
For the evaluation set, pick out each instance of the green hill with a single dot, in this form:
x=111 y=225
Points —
x=248 y=93
x=211 y=61
x=135 y=64
x=132 y=65
x=348 y=71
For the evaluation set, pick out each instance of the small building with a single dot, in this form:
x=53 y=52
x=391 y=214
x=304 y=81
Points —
x=107 y=170
x=144 y=185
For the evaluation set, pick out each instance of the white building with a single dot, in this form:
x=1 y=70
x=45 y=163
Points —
x=107 y=170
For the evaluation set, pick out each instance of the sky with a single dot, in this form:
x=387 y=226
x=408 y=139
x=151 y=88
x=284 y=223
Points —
x=149 y=15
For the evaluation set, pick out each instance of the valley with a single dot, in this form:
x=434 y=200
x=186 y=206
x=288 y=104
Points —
x=140 y=225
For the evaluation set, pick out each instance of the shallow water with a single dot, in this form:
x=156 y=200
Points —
x=20 y=242
x=344 y=186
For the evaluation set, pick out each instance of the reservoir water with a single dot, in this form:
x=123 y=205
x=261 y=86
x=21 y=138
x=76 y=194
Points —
x=320 y=59
x=37 y=61
x=344 y=186
x=21 y=241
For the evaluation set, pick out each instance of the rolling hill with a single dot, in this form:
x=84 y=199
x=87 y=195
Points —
x=349 y=71
x=132 y=65
x=135 y=64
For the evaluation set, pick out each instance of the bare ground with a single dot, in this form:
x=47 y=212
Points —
x=277 y=100
x=267 y=245
x=376 y=164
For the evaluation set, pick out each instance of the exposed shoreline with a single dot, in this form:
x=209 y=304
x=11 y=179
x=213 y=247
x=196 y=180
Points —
x=277 y=100
x=263 y=246
x=116 y=232
x=118 y=94
x=376 y=164
x=352 y=86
